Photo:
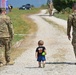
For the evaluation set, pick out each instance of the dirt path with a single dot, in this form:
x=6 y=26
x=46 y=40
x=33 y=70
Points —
x=60 y=56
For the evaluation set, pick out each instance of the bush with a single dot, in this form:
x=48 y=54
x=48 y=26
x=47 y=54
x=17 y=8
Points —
x=63 y=4
x=68 y=10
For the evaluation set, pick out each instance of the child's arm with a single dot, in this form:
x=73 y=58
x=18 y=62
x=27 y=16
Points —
x=45 y=51
x=36 y=53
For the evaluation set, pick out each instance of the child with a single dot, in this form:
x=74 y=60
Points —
x=40 y=53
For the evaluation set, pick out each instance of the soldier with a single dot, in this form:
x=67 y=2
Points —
x=71 y=23
x=10 y=8
x=6 y=34
x=50 y=6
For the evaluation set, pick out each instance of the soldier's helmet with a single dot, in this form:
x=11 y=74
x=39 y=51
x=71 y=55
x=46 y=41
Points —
x=40 y=42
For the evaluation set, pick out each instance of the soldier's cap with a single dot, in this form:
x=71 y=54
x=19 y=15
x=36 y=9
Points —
x=74 y=6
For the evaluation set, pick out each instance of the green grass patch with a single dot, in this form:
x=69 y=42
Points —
x=62 y=16
x=17 y=38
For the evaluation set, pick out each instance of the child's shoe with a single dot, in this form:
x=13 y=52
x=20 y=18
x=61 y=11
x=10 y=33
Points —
x=43 y=65
x=40 y=67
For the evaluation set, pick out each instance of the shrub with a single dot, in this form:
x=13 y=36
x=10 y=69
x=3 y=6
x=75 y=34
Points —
x=68 y=10
x=63 y=4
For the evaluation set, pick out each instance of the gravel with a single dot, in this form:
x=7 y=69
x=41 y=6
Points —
x=60 y=56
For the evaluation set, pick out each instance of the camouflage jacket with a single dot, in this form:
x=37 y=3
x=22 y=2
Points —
x=71 y=23
x=6 y=28
x=49 y=1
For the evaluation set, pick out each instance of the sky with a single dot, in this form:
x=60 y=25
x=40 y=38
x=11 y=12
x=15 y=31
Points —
x=18 y=3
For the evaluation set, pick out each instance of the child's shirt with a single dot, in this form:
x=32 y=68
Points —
x=40 y=50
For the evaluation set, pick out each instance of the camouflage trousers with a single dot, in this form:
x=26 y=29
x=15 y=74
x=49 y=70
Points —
x=5 y=42
x=74 y=51
x=50 y=11
x=74 y=43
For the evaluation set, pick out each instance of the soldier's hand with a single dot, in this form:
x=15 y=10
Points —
x=11 y=38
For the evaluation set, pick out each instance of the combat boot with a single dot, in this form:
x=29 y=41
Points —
x=1 y=64
x=10 y=63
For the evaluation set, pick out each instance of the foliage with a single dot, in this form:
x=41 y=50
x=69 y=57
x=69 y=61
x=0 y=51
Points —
x=62 y=16
x=68 y=10
x=63 y=4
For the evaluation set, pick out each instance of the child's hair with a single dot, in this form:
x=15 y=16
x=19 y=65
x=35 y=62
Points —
x=40 y=42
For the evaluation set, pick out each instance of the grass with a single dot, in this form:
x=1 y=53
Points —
x=20 y=26
x=62 y=16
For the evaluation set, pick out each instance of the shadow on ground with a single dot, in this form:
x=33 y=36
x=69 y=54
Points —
x=69 y=63
x=31 y=67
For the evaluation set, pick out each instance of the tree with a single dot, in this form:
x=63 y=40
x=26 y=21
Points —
x=63 y=4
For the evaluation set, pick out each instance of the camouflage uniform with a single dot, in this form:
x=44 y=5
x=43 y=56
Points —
x=6 y=35
x=50 y=6
x=71 y=23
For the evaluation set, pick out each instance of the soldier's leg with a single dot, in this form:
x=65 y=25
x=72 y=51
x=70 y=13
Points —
x=50 y=12
x=74 y=50
x=2 y=49
x=7 y=50
x=2 y=57
x=7 y=53
x=74 y=43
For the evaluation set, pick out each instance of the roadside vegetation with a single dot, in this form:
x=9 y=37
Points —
x=62 y=16
x=61 y=5
x=64 y=8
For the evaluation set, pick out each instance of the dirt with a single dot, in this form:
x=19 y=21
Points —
x=60 y=59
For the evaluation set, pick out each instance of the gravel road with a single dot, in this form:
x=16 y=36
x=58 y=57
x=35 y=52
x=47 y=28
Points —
x=60 y=56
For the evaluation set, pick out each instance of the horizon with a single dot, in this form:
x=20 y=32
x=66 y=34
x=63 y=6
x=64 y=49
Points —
x=18 y=3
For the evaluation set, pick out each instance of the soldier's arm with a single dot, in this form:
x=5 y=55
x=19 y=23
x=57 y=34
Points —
x=11 y=30
x=10 y=27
